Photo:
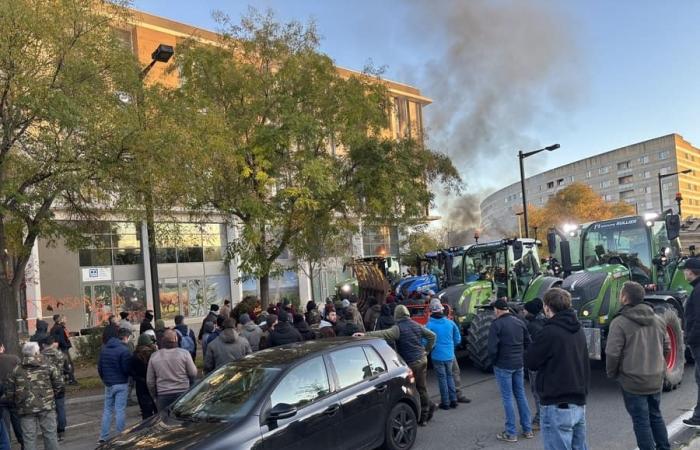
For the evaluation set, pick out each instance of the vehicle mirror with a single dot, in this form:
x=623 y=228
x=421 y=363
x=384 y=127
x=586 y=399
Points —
x=282 y=411
x=517 y=249
x=673 y=226
x=551 y=241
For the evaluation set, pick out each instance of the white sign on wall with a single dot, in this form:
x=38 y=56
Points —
x=97 y=274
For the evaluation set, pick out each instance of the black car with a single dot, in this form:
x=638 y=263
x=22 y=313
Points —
x=340 y=393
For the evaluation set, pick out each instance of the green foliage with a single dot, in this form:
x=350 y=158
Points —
x=419 y=242
x=63 y=127
x=89 y=346
x=290 y=148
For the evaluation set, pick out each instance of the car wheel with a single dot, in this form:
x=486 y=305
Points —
x=401 y=427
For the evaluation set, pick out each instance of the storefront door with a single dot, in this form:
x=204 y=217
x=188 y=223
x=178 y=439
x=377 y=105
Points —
x=98 y=303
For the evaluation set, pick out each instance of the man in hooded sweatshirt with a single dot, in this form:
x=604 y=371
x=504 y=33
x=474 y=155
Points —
x=413 y=342
x=229 y=346
x=283 y=332
x=559 y=354
x=251 y=331
x=635 y=356
x=42 y=330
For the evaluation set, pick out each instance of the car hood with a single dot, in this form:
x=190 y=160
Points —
x=166 y=433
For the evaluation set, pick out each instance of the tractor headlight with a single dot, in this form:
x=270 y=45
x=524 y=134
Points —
x=345 y=288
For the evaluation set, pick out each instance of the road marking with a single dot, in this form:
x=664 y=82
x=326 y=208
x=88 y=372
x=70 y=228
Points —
x=82 y=424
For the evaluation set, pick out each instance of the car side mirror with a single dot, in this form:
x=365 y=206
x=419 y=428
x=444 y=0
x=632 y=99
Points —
x=673 y=226
x=282 y=411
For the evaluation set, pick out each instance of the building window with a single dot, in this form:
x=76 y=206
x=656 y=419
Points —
x=571 y=178
x=627 y=195
x=644 y=159
x=560 y=181
x=645 y=190
x=589 y=174
x=624 y=165
x=608 y=197
x=604 y=170
x=625 y=180
x=550 y=184
x=667 y=186
x=664 y=155
x=605 y=184
x=375 y=241
x=115 y=243
x=645 y=174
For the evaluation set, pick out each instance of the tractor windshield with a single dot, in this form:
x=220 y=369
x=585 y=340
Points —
x=487 y=265
x=623 y=241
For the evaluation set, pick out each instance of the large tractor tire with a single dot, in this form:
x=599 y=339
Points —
x=478 y=340
x=675 y=361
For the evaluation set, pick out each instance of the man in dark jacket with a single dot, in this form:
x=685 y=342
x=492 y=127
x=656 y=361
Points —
x=637 y=343
x=691 y=272
x=508 y=339
x=413 y=342
x=211 y=317
x=147 y=322
x=60 y=333
x=185 y=336
x=372 y=314
x=560 y=357
x=228 y=347
x=303 y=328
x=42 y=330
x=534 y=318
x=113 y=368
x=283 y=332
x=139 y=364
x=111 y=329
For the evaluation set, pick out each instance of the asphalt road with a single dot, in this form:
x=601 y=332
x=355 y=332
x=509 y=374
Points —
x=474 y=426
x=470 y=427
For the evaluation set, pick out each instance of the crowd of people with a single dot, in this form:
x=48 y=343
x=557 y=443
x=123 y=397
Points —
x=544 y=342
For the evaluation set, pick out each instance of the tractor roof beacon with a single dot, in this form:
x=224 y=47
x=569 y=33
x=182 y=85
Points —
x=602 y=256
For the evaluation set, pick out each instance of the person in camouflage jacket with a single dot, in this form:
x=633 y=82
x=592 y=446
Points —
x=56 y=358
x=31 y=389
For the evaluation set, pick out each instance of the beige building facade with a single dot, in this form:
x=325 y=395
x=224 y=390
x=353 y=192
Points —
x=628 y=174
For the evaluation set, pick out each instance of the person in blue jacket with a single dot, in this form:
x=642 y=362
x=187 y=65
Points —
x=448 y=337
x=113 y=368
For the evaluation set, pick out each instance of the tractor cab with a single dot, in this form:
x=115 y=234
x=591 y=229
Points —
x=433 y=272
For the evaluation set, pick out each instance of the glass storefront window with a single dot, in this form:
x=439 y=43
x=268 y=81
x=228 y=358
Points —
x=218 y=290
x=90 y=257
x=250 y=288
x=166 y=255
x=285 y=286
x=190 y=254
x=197 y=304
x=169 y=298
x=131 y=297
x=97 y=300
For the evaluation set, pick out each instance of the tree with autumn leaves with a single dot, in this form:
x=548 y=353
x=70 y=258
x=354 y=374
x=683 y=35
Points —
x=577 y=203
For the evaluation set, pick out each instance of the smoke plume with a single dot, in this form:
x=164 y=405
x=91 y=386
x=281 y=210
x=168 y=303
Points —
x=504 y=69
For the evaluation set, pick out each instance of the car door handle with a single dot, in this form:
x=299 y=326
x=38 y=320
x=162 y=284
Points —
x=380 y=388
x=331 y=410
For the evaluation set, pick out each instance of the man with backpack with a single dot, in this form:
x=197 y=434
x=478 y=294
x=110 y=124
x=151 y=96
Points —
x=185 y=336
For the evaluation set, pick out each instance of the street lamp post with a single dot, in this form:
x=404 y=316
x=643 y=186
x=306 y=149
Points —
x=679 y=200
x=521 y=157
x=661 y=192
x=520 y=228
x=161 y=54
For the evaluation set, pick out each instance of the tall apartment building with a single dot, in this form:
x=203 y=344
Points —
x=91 y=283
x=628 y=174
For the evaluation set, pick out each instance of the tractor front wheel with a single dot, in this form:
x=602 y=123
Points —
x=478 y=339
x=675 y=361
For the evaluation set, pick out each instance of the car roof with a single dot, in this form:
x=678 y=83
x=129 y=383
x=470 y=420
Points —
x=286 y=355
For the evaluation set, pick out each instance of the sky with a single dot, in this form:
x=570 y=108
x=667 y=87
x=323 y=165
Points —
x=506 y=75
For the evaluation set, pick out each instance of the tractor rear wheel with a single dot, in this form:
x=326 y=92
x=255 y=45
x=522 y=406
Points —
x=478 y=339
x=675 y=361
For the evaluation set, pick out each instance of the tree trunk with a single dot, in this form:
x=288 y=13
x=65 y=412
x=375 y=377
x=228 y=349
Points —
x=265 y=291
x=8 y=318
x=311 y=281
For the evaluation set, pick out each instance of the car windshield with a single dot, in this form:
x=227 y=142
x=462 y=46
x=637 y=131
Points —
x=226 y=394
x=626 y=239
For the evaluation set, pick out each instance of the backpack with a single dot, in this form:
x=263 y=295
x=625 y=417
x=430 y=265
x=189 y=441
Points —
x=186 y=341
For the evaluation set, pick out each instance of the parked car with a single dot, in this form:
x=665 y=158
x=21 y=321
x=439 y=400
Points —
x=340 y=393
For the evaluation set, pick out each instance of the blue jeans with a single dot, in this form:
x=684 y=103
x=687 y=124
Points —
x=61 y=414
x=649 y=426
x=4 y=436
x=563 y=428
x=115 y=399
x=443 y=370
x=511 y=382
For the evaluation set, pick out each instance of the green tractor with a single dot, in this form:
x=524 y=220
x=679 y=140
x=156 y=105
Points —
x=508 y=268
x=602 y=256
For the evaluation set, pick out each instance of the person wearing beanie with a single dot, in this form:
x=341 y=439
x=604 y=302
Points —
x=312 y=314
x=42 y=331
x=145 y=347
x=508 y=339
x=413 y=342
x=147 y=322
x=691 y=272
x=283 y=332
x=303 y=328
x=160 y=330
x=534 y=316
x=228 y=347
x=211 y=317
x=250 y=331
x=170 y=371
x=124 y=321
x=447 y=337
x=185 y=336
